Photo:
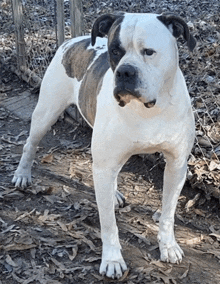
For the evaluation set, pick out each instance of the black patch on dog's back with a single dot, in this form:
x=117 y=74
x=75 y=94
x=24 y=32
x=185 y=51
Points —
x=91 y=86
x=77 y=58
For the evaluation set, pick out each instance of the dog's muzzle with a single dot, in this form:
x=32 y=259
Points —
x=125 y=83
x=126 y=86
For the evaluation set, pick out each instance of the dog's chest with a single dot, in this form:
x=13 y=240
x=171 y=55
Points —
x=146 y=130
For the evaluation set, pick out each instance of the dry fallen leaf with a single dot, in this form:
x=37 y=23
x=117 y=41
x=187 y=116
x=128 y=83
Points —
x=10 y=261
x=214 y=165
x=199 y=212
x=62 y=225
x=124 y=276
x=204 y=141
x=158 y=263
x=18 y=247
x=194 y=241
x=215 y=233
x=74 y=253
x=58 y=264
x=214 y=132
x=192 y=202
x=164 y=278
x=142 y=238
x=22 y=216
x=47 y=159
x=92 y=259
x=184 y=275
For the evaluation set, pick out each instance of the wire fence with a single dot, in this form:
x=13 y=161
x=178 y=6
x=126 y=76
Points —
x=39 y=27
x=40 y=34
x=29 y=43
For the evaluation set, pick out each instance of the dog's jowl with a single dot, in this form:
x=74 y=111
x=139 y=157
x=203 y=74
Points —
x=127 y=84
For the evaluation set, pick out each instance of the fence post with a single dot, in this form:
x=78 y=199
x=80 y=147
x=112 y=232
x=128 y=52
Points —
x=76 y=17
x=19 y=32
x=60 y=22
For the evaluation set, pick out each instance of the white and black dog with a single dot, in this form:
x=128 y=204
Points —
x=130 y=89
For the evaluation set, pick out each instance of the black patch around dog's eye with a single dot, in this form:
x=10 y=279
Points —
x=115 y=49
x=115 y=54
x=148 y=51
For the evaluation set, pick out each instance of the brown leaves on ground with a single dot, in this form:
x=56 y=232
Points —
x=205 y=174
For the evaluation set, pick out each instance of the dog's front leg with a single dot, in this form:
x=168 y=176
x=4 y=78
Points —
x=112 y=263
x=174 y=178
x=108 y=159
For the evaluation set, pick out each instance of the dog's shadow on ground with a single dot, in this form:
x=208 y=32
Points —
x=149 y=167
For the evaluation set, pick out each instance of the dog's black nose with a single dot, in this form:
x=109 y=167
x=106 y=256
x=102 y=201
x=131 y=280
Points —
x=150 y=104
x=126 y=84
x=125 y=73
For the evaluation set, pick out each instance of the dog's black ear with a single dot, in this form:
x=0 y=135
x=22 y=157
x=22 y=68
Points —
x=178 y=27
x=103 y=24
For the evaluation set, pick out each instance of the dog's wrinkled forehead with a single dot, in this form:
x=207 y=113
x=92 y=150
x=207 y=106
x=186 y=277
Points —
x=138 y=29
x=150 y=29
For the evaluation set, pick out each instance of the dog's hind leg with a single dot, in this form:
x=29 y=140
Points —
x=119 y=199
x=174 y=178
x=54 y=98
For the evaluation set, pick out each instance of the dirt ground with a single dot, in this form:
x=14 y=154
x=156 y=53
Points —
x=50 y=232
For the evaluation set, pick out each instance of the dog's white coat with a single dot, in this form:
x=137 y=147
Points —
x=120 y=132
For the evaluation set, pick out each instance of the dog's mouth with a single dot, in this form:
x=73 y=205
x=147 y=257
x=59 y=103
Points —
x=124 y=96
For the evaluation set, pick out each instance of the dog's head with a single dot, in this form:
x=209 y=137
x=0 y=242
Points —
x=142 y=52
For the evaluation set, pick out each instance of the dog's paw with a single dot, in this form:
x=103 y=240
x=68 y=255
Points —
x=170 y=252
x=113 y=269
x=22 y=179
x=113 y=264
x=119 y=199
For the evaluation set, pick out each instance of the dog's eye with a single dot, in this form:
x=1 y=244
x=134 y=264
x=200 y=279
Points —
x=148 y=51
x=115 y=52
